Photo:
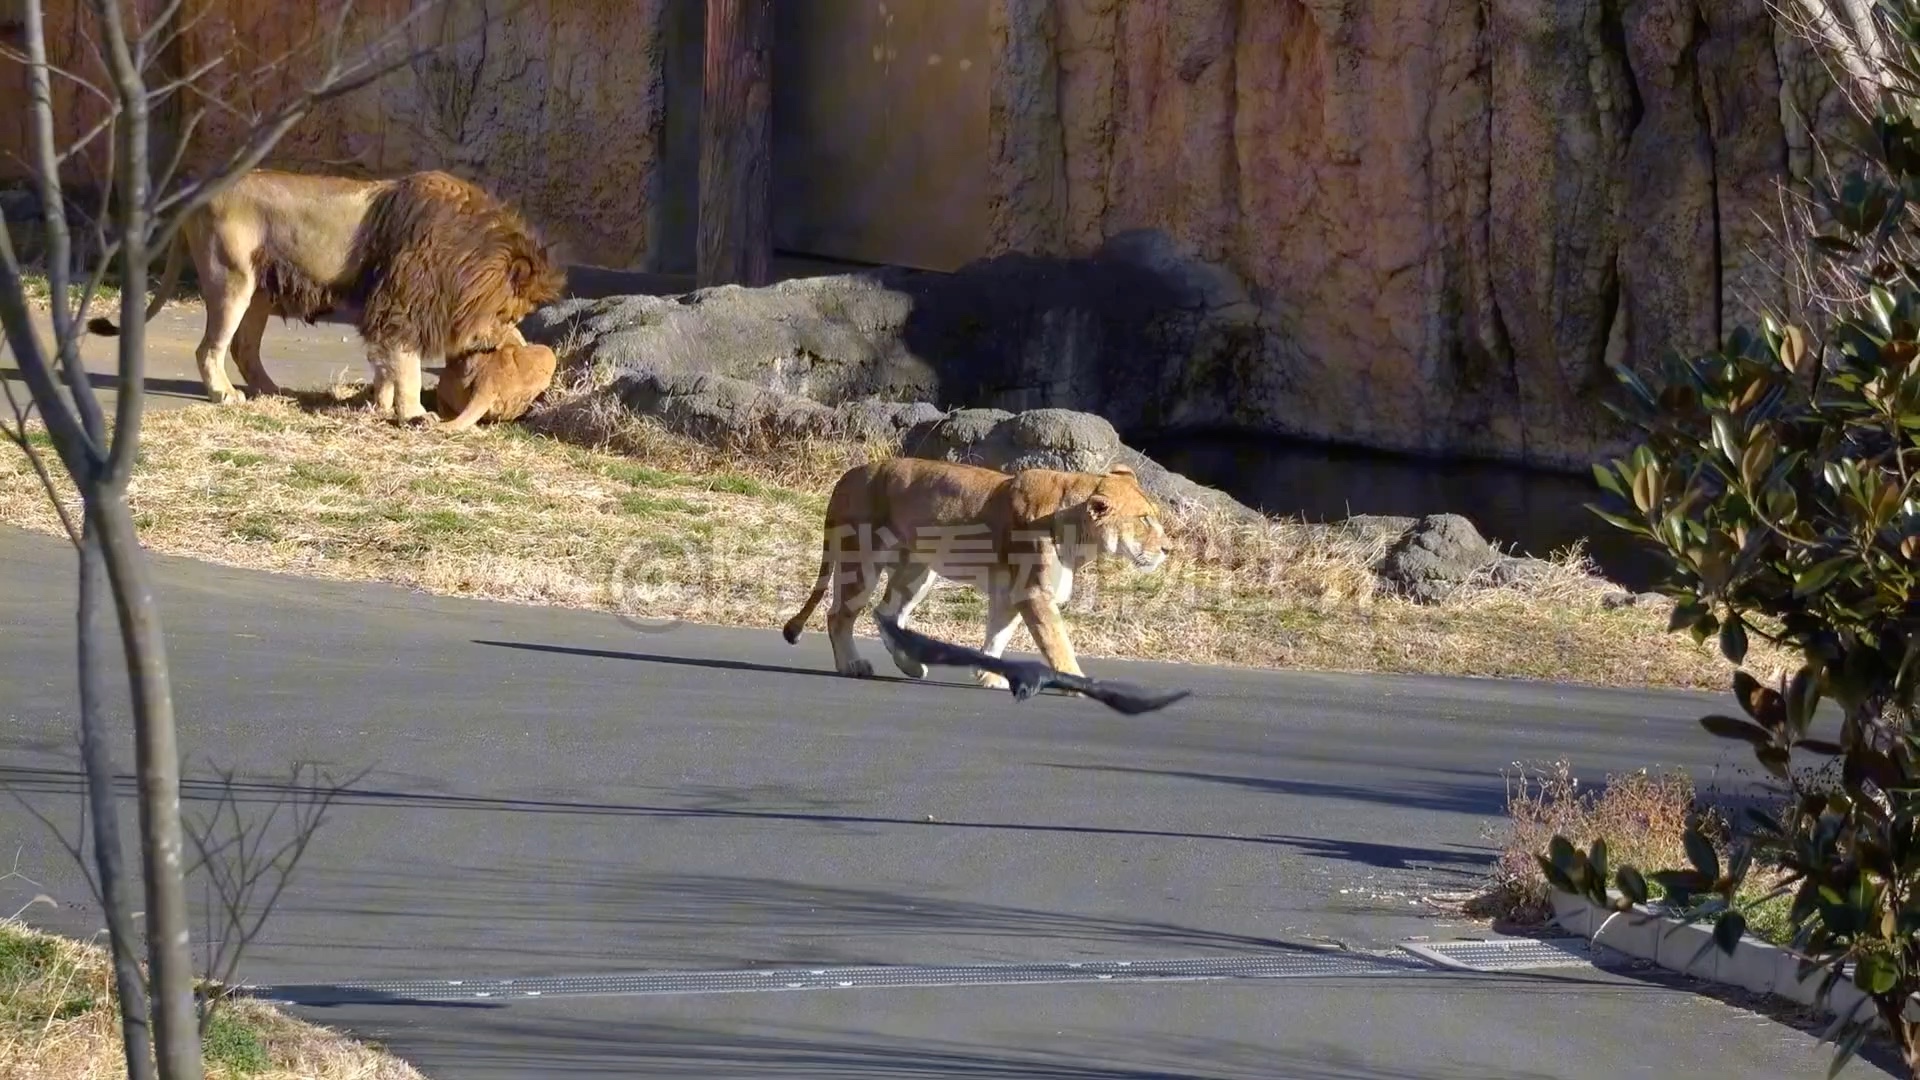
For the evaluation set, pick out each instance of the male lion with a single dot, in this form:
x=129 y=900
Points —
x=493 y=384
x=426 y=266
x=1019 y=538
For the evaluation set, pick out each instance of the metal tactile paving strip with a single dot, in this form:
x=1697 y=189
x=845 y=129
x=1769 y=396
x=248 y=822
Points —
x=1506 y=954
x=1271 y=966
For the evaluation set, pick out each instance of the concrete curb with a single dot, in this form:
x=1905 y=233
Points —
x=1689 y=950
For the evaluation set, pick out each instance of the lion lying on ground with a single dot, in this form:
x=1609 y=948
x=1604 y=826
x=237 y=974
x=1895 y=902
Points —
x=493 y=384
x=1019 y=538
x=426 y=266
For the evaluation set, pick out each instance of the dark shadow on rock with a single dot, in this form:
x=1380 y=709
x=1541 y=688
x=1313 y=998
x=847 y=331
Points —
x=1125 y=333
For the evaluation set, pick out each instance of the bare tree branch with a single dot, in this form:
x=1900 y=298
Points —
x=244 y=880
x=136 y=220
x=109 y=858
x=337 y=81
x=53 y=213
x=77 y=453
x=18 y=436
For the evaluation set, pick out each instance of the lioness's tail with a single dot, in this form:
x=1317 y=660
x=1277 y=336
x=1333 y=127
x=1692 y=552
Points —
x=792 y=630
x=169 y=279
x=477 y=407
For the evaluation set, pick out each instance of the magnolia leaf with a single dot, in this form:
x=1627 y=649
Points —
x=1706 y=862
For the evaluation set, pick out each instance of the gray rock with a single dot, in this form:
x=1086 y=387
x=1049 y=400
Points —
x=1104 y=334
x=962 y=435
x=1176 y=492
x=1614 y=601
x=1058 y=439
x=879 y=420
x=1519 y=569
x=1435 y=556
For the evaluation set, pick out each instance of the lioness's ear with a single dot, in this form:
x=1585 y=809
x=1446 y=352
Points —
x=1099 y=507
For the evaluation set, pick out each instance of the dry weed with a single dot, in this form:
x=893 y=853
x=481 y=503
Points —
x=59 y=1020
x=585 y=505
x=1643 y=818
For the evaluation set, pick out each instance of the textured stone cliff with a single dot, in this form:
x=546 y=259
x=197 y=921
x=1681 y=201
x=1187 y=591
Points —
x=1448 y=213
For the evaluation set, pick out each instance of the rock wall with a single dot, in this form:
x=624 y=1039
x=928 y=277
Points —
x=1448 y=213
x=557 y=105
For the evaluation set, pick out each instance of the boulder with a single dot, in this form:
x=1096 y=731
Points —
x=1015 y=332
x=1435 y=556
x=1613 y=601
x=1059 y=439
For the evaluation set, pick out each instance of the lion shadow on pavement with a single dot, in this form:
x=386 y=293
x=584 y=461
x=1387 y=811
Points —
x=715 y=664
x=101 y=380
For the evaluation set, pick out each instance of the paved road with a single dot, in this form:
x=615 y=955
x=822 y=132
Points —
x=552 y=793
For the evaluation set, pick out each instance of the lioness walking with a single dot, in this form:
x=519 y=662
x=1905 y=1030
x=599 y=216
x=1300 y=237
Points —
x=1019 y=538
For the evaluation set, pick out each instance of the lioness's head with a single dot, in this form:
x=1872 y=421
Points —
x=1126 y=522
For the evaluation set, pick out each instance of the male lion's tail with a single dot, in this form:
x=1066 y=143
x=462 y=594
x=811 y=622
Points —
x=792 y=630
x=169 y=280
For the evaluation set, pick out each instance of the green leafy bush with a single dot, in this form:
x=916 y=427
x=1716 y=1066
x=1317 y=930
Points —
x=1781 y=477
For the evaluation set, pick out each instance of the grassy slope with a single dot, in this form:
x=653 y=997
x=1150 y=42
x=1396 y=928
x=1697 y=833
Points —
x=59 y=1020
x=615 y=512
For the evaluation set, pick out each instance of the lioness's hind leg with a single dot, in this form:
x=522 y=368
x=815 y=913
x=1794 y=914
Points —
x=246 y=347
x=909 y=585
x=853 y=589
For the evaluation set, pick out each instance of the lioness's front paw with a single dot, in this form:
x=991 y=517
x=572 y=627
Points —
x=229 y=396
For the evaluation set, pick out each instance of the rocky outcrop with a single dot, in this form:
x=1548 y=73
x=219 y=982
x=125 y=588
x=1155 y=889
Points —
x=722 y=410
x=1426 y=559
x=1121 y=334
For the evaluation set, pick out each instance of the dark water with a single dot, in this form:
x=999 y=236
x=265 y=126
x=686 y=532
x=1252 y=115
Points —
x=1524 y=511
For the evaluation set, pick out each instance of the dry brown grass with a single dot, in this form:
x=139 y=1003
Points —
x=59 y=1020
x=106 y=299
x=583 y=505
x=1643 y=817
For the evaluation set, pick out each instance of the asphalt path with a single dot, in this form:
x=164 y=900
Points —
x=551 y=792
